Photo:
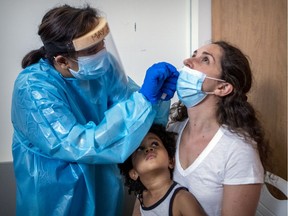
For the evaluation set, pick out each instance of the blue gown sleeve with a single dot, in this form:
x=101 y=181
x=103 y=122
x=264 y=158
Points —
x=45 y=124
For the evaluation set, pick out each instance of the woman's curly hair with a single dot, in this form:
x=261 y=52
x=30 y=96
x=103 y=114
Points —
x=169 y=141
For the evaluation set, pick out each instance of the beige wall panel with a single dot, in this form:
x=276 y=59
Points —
x=259 y=28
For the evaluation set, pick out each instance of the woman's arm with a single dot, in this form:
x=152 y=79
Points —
x=240 y=199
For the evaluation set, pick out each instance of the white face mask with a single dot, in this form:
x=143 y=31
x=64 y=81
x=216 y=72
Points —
x=93 y=66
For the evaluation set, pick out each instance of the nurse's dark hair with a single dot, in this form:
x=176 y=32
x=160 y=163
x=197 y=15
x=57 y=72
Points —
x=59 y=27
x=169 y=141
x=234 y=110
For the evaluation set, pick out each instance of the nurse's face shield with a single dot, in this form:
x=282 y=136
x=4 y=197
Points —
x=94 y=41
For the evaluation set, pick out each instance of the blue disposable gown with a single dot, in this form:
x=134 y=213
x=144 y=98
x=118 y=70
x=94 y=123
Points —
x=68 y=137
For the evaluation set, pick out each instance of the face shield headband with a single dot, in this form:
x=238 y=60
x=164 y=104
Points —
x=83 y=42
x=91 y=38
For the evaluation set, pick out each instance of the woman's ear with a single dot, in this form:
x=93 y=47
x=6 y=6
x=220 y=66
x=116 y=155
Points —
x=133 y=174
x=223 y=89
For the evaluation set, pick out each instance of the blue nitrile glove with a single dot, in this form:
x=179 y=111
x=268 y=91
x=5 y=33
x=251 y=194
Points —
x=154 y=80
x=169 y=87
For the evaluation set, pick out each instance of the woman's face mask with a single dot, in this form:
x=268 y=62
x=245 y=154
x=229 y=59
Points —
x=189 y=86
x=93 y=66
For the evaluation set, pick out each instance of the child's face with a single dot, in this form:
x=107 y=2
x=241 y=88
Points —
x=151 y=155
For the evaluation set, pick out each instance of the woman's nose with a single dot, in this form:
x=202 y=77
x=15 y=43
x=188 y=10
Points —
x=189 y=63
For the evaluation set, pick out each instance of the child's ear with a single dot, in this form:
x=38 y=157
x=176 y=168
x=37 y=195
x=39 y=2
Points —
x=133 y=174
x=171 y=163
x=224 y=89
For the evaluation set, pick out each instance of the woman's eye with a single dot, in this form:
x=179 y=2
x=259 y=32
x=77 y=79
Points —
x=205 y=59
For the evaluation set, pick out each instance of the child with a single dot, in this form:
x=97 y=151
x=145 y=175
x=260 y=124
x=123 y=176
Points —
x=148 y=172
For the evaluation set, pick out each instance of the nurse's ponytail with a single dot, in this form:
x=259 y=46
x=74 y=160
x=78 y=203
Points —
x=33 y=57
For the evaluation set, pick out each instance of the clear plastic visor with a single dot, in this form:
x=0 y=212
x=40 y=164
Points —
x=96 y=40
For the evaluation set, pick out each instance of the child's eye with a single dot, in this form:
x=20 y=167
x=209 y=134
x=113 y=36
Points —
x=154 y=144
x=140 y=148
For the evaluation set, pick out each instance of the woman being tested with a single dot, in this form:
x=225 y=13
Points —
x=221 y=149
x=149 y=171
x=76 y=115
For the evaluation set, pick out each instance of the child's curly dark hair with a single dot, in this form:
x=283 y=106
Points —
x=169 y=142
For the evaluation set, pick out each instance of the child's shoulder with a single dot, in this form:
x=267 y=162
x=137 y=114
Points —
x=185 y=203
x=183 y=195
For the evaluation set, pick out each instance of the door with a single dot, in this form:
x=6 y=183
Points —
x=259 y=28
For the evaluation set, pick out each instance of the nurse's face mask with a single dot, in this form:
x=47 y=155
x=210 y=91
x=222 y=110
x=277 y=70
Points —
x=104 y=58
x=93 y=66
x=189 y=86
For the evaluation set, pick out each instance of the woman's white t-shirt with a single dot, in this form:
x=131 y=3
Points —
x=227 y=160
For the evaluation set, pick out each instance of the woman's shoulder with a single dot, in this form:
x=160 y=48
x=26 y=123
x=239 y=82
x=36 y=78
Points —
x=234 y=136
x=235 y=142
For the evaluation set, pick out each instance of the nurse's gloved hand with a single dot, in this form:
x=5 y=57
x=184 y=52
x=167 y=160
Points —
x=169 y=87
x=154 y=80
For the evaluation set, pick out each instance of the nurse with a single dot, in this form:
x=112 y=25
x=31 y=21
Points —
x=76 y=115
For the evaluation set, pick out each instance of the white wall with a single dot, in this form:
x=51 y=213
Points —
x=163 y=33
